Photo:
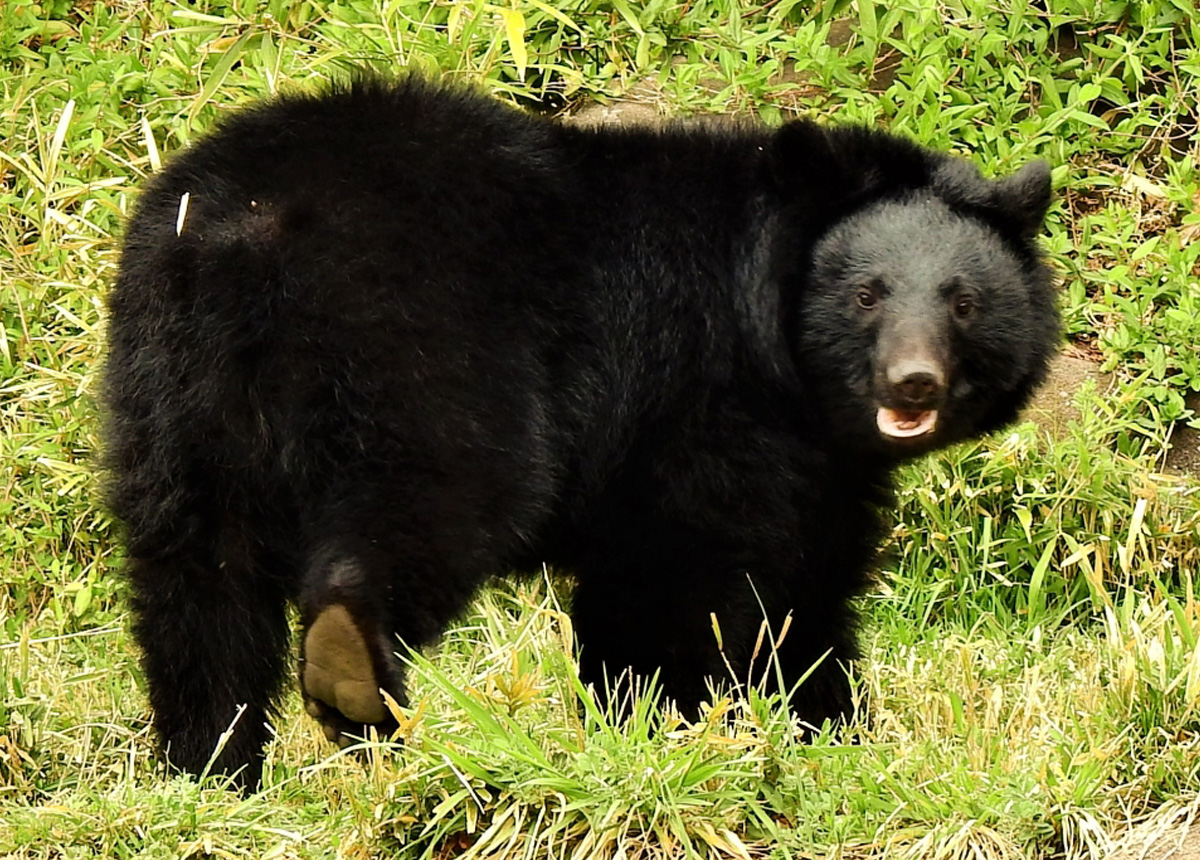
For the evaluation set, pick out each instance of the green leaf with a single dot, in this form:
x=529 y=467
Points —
x=220 y=71
x=623 y=8
x=554 y=13
x=82 y=601
x=514 y=33
x=1036 y=605
x=867 y=22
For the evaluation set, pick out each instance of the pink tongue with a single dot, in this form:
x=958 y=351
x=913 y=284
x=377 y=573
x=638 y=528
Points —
x=902 y=425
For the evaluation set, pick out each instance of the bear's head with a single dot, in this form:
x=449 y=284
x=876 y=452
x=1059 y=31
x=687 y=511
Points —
x=921 y=310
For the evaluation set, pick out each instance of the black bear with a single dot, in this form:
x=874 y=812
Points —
x=372 y=347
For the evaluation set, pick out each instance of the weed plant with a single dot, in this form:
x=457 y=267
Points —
x=1034 y=662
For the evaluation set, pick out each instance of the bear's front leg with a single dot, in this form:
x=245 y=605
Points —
x=660 y=612
x=734 y=520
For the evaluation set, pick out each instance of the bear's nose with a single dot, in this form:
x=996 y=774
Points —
x=917 y=385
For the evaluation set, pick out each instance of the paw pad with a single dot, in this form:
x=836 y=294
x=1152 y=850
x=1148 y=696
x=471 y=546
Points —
x=339 y=672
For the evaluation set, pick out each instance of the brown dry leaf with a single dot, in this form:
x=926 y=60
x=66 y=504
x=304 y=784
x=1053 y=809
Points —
x=1141 y=185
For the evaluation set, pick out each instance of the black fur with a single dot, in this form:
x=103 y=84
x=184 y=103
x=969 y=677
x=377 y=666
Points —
x=409 y=338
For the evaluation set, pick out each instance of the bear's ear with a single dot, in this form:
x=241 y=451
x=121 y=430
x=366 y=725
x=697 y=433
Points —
x=1024 y=197
x=801 y=160
x=843 y=165
x=957 y=181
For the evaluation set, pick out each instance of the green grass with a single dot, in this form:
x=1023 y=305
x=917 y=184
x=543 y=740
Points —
x=1033 y=645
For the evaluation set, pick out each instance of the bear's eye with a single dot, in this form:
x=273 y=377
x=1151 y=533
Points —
x=867 y=298
x=964 y=306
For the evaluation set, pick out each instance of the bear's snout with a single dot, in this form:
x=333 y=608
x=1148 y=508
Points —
x=910 y=392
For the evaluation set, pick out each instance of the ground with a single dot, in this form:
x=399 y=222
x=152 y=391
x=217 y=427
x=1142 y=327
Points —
x=1054 y=406
x=1170 y=835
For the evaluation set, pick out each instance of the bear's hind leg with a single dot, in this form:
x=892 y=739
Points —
x=363 y=599
x=346 y=656
x=214 y=643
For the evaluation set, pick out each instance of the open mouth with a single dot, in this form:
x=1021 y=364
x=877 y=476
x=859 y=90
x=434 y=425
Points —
x=902 y=424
